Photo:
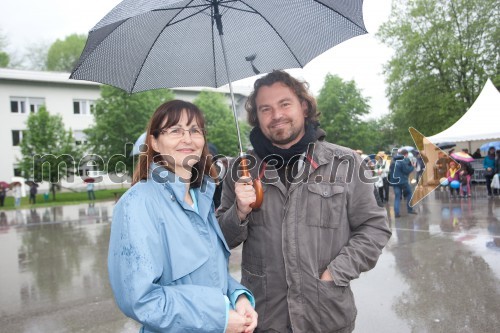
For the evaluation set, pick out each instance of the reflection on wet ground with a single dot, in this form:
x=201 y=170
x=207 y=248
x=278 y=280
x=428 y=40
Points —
x=439 y=273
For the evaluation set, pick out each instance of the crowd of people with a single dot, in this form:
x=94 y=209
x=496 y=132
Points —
x=403 y=170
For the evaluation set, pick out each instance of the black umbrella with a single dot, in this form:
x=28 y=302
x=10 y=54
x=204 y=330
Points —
x=143 y=45
x=31 y=183
x=446 y=145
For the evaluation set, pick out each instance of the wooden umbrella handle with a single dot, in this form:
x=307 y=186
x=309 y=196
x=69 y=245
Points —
x=257 y=184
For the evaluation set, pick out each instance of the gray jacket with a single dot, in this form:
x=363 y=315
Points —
x=325 y=220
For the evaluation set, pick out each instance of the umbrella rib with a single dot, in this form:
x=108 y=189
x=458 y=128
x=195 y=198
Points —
x=158 y=36
x=347 y=18
x=277 y=33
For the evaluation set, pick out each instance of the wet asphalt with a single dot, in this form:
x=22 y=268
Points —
x=440 y=271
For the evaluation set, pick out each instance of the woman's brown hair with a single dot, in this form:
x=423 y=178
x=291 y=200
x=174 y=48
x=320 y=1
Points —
x=172 y=112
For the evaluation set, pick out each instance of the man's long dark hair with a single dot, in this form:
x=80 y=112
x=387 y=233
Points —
x=300 y=88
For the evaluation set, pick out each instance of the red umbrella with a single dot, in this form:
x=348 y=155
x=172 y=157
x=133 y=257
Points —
x=89 y=180
x=4 y=184
x=461 y=156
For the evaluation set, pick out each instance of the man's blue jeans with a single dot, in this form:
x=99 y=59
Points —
x=398 y=191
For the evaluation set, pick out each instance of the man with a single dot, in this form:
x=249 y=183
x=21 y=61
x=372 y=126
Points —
x=402 y=168
x=33 y=192
x=477 y=154
x=319 y=225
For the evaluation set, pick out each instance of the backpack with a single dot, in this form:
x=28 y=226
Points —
x=390 y=177
x=470 y=169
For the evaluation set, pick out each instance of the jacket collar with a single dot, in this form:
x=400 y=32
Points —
x=176 y=186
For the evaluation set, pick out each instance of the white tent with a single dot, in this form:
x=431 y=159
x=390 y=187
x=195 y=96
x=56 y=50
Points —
x=480 y=122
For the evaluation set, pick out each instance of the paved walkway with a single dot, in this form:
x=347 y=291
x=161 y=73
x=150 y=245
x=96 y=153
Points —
x=440 y=271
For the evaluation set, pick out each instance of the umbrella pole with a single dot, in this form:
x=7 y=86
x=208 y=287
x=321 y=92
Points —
x=259 y=191
x=233 y=103
x=218 y=21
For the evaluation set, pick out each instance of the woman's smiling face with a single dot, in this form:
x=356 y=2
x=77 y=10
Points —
x=181 y=145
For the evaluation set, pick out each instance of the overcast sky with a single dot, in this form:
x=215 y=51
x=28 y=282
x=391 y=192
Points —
x=29 y=22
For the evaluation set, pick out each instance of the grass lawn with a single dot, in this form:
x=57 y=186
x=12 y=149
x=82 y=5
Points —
x=65 y=198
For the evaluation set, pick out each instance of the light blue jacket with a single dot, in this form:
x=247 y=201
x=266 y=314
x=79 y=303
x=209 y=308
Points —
x=168 y=264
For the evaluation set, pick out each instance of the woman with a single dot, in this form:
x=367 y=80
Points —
x=168 y=260
x=496 y=191
x=466 y=172
x=382 y=167
x=489 y=168
x=453 y=175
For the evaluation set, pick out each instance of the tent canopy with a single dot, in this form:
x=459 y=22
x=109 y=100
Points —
x=480 y=122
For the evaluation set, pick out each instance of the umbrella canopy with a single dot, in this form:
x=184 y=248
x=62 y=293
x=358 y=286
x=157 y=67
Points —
x=136 y=150
x=446 y=145
x=4 y=184
x=143 y=45
x=408 y=148
x=487 y=146
x=14 y=184
x=31 y=183
x=461 y=156
x=89 y=180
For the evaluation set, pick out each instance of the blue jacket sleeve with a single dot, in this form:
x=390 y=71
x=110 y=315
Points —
x=135 y=267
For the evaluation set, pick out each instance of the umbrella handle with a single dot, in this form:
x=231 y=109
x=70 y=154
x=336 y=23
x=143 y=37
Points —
x=257 y=184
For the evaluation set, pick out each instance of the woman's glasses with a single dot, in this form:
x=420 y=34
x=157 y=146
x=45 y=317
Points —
x=178 y=132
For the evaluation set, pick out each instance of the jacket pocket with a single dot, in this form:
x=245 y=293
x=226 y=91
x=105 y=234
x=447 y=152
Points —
x=336 y=306
x=254 y=278
x=324 y=205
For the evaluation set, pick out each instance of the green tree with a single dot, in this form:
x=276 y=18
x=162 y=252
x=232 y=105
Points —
x=220 y=126
x=64 y=54
x=342 y=106
x=444 y=53
x=120 y=118
x=4 y=56
x=48 y=149
x=378 y=134
x=35 y=57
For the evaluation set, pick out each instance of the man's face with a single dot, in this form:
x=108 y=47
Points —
x=280 y=114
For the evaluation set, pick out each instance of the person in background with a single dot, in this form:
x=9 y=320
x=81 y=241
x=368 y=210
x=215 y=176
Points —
x=90 y=191
x=419 y=165
x=452 y=174
x=3 y=194
x=382 y=170
x=17 y=193
x=33 y=192
x=466 y=172
x=496 y=191
x=489 y=169
x=477 y=154
x=441 y=166
x=316 y=230
x=402 y=188
x=168 y=260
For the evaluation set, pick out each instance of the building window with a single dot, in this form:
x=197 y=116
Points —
x=17 y=136
x=80 y=138
x=23 y=104
x=81 y=106
x=17 y=106
x=17 y=172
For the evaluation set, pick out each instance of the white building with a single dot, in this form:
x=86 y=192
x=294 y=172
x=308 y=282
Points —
x=23 y=92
